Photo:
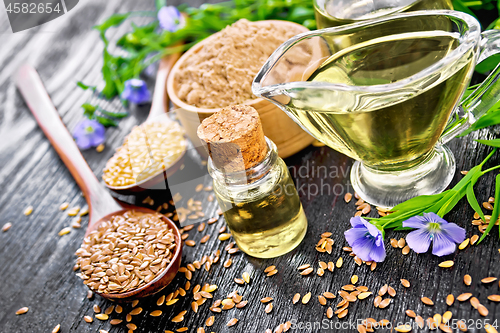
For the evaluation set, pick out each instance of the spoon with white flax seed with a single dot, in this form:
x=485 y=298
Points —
x=107 y=219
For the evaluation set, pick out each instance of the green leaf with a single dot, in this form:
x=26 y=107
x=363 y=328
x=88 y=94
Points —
x=492 y=143
x=84 y=86
x=488 y=64
x=496 y=209
x=489 y=119
x=106 y=121
x=88 y=110
x=118 y=115
x=471 y=197
x=112 y=21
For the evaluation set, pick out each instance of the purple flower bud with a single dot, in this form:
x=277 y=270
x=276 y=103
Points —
x=170 y=18
x=366 y=240
x=432 y=228
x=136 y=91
x=89 y=133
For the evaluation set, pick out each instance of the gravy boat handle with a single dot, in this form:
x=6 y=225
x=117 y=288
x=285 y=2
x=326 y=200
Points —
x=483 y=98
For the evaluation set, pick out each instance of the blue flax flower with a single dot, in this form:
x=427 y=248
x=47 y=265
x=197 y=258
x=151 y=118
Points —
x=365 y=240
x=432 y=228
x=89 y=133
x=136 y=91
x=170 y=18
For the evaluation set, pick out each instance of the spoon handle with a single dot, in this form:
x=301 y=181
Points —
x=31 y=87
x=159 y=105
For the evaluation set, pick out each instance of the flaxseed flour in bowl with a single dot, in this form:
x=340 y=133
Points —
x=219 y=71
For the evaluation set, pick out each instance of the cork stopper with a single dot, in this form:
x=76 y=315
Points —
x=234 y=138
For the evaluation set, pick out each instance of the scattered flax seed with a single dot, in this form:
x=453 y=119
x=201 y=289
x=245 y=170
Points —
x=306 y=298
x=210 y=321
x=383 y=290
x=343 y=313
x=28 y=210
x=427 y=301
x=269 y=308
x=463 y=297
x=339 y=262
x=487 y=205
x=99 y=148
x=447 y=316
x=102 y=316
x=6 y=226
x=329 y=313
x=376 y=301
x=364 y=295
x=385 y=303
x=474 y=239
x=445 y=328
x=224 y=236
x=156 y=313
x=322 y=300
x=246 y=277
x=467 y=279
x=136 y=311
x=301 y=267
x=73 y=211
x=331 y=266
x=488 y=279
x=266 y=299
x=131 y=326
x=450 y=299
x=464 y=172
x=96 y=308
x=201 y=227
x=401 y=243
x=391 y=291
x=405 y=283
x=403 y=328
x=354 y=279
x=410 y=313
x=115 y=321
x=296 y=298
x=232 y=322
x=160 y=300
x=118 y=309
x=406 y=250
x=88 y=319
x=64 y=206
x=307 y=271
x=494 y=298
x=446 y=264
x=84 y=211
x=437 y=319
x=373 y=265
x=490 y=329
x=109 y=310
x=420 y=321
x=241 y=304
x=462 y=325
x=190 y=242
x=483 y=311
x=348 y=197
x=228 y=263
x=394 y=243
x=464 y=244
x=64 y=231
x=269 y=268
x=204 y=239
x=474 y=302
x=22 y=310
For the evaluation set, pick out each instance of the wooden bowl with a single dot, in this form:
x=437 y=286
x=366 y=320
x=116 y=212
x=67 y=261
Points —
x=161 y=280
x=277 y=126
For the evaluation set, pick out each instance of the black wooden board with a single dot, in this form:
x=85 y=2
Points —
x=36 y=264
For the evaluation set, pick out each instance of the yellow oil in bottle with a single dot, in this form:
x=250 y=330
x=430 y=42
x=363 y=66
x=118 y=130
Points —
x=265 y=217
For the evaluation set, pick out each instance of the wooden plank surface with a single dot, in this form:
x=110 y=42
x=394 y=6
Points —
x=36 y=264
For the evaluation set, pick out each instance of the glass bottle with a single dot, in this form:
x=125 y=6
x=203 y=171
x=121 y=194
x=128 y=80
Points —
x=261 y=206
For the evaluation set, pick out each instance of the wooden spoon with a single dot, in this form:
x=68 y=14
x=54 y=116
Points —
x=101 y=204
x=159 y=105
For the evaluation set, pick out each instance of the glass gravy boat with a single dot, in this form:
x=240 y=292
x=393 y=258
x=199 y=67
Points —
x=385 y=92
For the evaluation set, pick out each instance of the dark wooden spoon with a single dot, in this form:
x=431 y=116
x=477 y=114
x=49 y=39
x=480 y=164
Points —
x=101 y=204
